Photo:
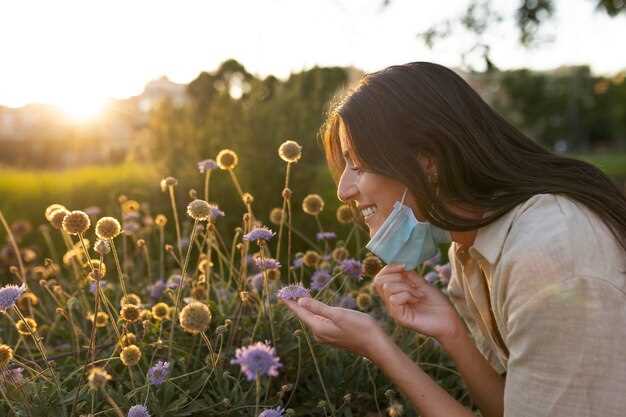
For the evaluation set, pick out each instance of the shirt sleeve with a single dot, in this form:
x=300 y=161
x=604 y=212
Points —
x=567 y=346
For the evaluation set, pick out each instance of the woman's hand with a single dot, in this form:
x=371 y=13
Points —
x=348 y=329
x=414 y=303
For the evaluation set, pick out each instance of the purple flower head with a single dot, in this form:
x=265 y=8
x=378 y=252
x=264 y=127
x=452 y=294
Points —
x=138 y=411
x=347 y=301
x=293 y=292
x=103 y=285
x=130 y=228
x=264 y=264
x=431 y=277
x=93 y=211
x=351 y=267
x=9 y=294
x=272 y=412
x=256 y=281
x=12 y=376
x=433 y=261
x=326 y=236
x=257 y=359
x=215 y=212
x=174 y=281
x=206 y=165
x=259 y=233
x=159 y=373
x=444 y=272
x=156 y=289
x=320 y=279
x=251 y=265
x=298 y=262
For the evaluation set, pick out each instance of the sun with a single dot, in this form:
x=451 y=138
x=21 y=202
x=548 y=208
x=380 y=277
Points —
x=81 y=107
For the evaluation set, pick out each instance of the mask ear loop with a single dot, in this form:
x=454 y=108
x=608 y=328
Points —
x=403 y=195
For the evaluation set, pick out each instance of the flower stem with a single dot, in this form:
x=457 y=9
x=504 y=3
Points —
x=176 y=222
x=15 y=247
x=317 y=368
x=120 y=274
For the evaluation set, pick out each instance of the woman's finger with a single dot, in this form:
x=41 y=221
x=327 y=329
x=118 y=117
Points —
x=415 y=279
x=380 y=280
x=390 y=269
x=392 y=288
x=403 y=297
x=310 y=319
x=319 y=308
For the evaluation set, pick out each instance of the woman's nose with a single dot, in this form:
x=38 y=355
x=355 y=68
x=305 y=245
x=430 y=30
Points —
x=347 y=189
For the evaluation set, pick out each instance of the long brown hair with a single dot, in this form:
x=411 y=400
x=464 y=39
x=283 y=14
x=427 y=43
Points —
x=483 y=161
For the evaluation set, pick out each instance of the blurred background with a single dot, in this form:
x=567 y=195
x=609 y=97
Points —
x=99 y=99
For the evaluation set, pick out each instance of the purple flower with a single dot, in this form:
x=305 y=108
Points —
x=347 y=301
x=272 y=412
x=215 y=212
x=264 y=264
x=320 y=279
x=159 y=373
x=103 y=285
x=174 y=281
x=444 y=272
x=326 y=235
x=298 y=262
x=9 y=294
x=259 y=233
x=433 y=261
x=206 y=165
x=256 y=281
x=351 y=267
x=431 y=277
x=138 y=411
x=12 y=376
x=156 y=289
x=257 y=359
x=293 y=292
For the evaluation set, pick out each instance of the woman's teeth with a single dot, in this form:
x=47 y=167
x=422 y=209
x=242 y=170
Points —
x=368 y=211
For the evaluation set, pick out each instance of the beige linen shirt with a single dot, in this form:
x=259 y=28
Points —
x=542 y=291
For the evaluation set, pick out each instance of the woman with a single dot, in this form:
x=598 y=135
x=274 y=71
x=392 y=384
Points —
x=537 y=323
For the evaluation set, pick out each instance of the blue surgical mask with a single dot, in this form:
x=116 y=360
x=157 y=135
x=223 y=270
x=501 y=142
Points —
x=402 y=239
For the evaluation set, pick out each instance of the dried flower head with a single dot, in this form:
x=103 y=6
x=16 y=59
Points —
x=57 y=216
x=257 y=360
x=340 y=253
x=195 y=317
x=320 y=279
x=363 y=301
x=130 y=313
x=345 y=214
x=199 y=210
x=247 y=198
x=293 y=292
x=158 y=373
x=130 y=298
x=51 y=209
x=259 y=233
x=138 y=410
x=227 y=159
x=160 y=220
x=97 y=265
x=6 y=354
x=9 y=294
x=101 y=318
x=130 y=355
x=290 y=151
x=129 y=206
x=206 y=165
x=108 y=228
x=27 y=299
x=170 y=181
x=127 y=339
x=286 y=193
x=311 y=258
x=277 y=215
x=98 y=378
x=101 y=247
x=313 y=204
x=371 y=265
x=27 y=327
x=76 y=222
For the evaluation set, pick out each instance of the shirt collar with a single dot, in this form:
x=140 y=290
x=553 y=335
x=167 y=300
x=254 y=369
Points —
x=490 y=239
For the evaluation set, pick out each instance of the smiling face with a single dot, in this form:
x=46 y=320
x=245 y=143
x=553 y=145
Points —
x=374 y=194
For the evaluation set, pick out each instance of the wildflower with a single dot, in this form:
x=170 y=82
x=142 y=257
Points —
x=169 y=182
x=293 y=292
x=97 y=378
x=273 y=412
x=298 y=261
x=257 y=359
x=9 y=294
x=156 y=289
x=227 y=159
x=6 y=354
x=264 y=264
x=160 y=220
x=130 y=313
x=364 y=300
x=51 y=209
x=433 y=261
x=159 y=373
x=57 y=216
x=320 y=279
x=129 y=206
x=290 y=151
x=195 y=317
x=326 y=235
x=138 y=410
x=277 y=215
x=76 y=222
x=199 y=210
x=256 y=281
x=351 y=267
x=345 y=214
x=371 y=265
x=247 y=198
x=311 y=258
x=101 y=247
x=130 y=299
x=215 y=212
x=431 y=277
x=206 y=165
x=101 y=318
x=340 y=253
x=347 y=301
x=130 y=355
x=127 y=339
x=108 y=228
x=174 y=281
x=12 y=376
x=259 y=233
x=444 y=272
x=313 y=204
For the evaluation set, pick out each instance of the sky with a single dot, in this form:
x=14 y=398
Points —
x=78 y=54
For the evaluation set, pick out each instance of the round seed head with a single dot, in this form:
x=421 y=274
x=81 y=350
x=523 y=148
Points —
x=161 y=311
x=195 y=317
x=101 y=318
x=290 y=151
x=130 y=313
x=313 y=204
x=130 y=355
x=247 y=198
x=23 y=327
x=6 y=354
x=276 y=215
x=340 y=253
x=345 y=214
x=131 y=299
x=128 y=339
x=199 y=210
x=57 y=216
x=311 y=258
x=371 y=265
x=101 y=247
x=170 y=181
x=364 y=301
x=51 y=209
x=108 y=228
x=76 y=222
x=227 y=159
x=27 y=299
x=160 y=220
x=97 y=378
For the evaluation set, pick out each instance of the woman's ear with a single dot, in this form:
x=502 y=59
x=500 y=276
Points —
x=428 y=165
